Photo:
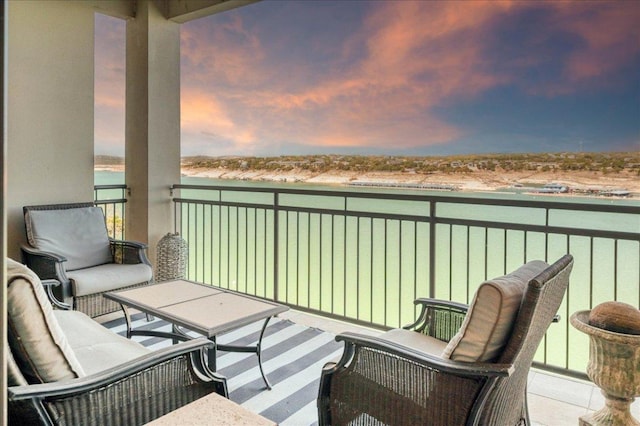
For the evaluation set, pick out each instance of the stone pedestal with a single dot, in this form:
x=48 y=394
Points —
x=614 y=366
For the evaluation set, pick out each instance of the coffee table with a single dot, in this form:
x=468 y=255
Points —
x=205 y=309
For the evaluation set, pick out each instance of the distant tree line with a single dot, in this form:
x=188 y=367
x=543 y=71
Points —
x=108 y=160
x=610 y=162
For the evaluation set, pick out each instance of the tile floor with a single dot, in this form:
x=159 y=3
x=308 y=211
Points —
x=554 y=400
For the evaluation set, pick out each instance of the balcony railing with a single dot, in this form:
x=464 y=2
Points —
x=112 y=199
x=364 y=256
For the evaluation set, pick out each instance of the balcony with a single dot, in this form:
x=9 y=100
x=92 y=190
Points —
x=345 y=260
x=428 y=245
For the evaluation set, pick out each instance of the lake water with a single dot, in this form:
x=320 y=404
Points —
x=372 y=269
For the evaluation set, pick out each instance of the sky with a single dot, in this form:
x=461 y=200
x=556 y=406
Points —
x=395 y=78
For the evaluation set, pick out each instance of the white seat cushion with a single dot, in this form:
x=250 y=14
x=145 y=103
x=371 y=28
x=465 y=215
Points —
x=96 y=347
x=111 y=276
x=487 y=326
x=39 y=346
x=79 y=234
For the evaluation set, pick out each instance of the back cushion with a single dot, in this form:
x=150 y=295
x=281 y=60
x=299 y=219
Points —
x=39 y=346
x=487 y=326
x=79 y=234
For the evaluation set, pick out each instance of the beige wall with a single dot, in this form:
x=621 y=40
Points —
x=50 y=108
x=49 y=105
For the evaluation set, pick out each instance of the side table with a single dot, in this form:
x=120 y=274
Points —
x=212 y=409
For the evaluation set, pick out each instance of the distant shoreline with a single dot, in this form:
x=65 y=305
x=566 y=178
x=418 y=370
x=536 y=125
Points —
x=579 y=182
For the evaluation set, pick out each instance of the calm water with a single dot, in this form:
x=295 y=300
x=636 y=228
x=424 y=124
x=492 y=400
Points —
x=619 y=222
x=373 y=269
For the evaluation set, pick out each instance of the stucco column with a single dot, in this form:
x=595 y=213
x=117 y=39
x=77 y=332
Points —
x=152 y=123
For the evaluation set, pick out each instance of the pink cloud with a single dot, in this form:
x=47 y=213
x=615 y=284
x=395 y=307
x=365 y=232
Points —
x=226 y=52
x=611 y=36
x=202 y=113
x=606 y=38
x=439 y=39
x=414 y=57
x=388 y=86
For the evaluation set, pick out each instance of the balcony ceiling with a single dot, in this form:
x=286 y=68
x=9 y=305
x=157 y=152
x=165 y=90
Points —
x=187 y=10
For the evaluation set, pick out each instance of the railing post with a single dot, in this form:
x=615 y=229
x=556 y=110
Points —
x=109 y=206
x=432 y=249
x=276 y=233
x=175 y=211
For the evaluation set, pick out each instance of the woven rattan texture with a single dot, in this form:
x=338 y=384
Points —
x=172 y=257
x=134 y=400
x=540 y=304
x=95 y=304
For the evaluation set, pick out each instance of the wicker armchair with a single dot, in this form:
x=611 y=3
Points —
x=69 y=243
x=65 y=368
x=130 y=394
x=399 y=381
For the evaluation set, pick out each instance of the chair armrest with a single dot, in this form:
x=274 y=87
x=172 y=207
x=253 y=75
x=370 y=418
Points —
x=48 y=286
x=440 y=319
x=127 y=251
x=445 y=366
x=425 y=301
x=138 y=391
x=129 y=243
x=41 y=261
x=109 y=376
x=49 y=266
x=392 y=383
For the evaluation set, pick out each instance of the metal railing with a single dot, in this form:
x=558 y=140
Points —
x=112 y=199
x=363 y=256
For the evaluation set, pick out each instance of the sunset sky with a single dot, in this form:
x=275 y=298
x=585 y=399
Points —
x=396 y=77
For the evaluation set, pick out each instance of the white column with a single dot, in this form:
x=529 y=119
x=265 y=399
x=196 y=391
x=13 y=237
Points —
x=152 y=123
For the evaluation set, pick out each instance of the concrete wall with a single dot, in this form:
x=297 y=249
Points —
x=50 y=108
x=50 y=105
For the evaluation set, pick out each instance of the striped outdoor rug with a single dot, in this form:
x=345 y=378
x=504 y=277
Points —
x=292 y=357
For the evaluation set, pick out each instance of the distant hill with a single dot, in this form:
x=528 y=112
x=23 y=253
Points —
x=604 y=162
x=107 y=160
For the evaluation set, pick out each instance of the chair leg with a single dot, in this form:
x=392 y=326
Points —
x=525 y=420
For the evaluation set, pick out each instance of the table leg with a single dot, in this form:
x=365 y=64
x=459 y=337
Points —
x=259 y=352
x=127 y=319
x=174 y=330
x=255 y=349
x=212 y=353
